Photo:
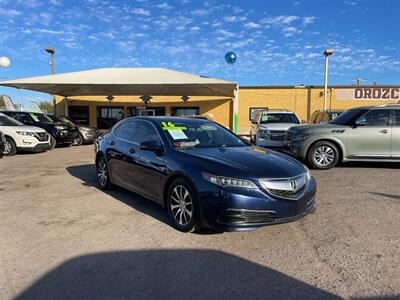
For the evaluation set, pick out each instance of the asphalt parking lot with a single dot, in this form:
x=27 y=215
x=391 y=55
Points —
x=62 y=238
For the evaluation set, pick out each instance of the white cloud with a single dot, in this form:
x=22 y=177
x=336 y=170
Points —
x=308 y=20
x=279 y=20
x=140 y=11
x=251 y=25
x=10 y=13
x=30 y=3
x=165 y=5
x=200 y=12
x=195 y=28
x=289 y=31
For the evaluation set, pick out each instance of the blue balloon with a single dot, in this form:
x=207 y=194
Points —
x=230 y=57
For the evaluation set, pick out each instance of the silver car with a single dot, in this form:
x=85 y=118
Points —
x=270 y=126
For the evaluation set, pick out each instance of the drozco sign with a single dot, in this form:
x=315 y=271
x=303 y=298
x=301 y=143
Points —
x=370 y=93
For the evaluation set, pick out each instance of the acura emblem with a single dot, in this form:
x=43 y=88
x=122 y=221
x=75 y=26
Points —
x=293 y=185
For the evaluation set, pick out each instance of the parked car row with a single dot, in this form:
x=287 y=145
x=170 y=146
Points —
x=36 y=132
x=370 y=133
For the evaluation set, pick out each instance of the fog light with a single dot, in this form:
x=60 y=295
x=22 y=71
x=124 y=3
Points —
x=26 y=142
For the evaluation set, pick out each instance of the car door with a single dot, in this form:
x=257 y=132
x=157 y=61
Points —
x=371 y=135
x=121 y=154
x=395 y=145
x=147 y=167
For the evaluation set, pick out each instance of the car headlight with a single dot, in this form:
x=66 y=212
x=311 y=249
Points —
x=263 y=134
x=60 y=127
x=25 y=133
x=301 y=137
x=85 y=129
x=308 y=173
x=229 y=182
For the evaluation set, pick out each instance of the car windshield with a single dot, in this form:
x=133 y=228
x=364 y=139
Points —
x=279 y=118
x=61 y=120
x=348 y=117
x=36 y=117
x=197 y=134
x=7 y=121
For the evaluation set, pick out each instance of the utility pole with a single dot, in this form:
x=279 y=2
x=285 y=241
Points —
x=327 y=52
x=51 y=51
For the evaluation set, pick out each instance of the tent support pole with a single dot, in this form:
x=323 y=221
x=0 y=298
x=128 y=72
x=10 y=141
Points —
x=66 y=106
x=236 y=109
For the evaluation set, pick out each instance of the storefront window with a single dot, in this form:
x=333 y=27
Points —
x=108 y=116
x=185 y=111
x=79 y=114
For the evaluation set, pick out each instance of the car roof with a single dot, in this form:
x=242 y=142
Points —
x=382 y=106
x=271 y=112
x=159 y=119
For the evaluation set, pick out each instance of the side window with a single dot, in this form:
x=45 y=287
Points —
x=125 y=131
x=144 y=132
x=397 y=117
x=375 y=118
x=23 y=118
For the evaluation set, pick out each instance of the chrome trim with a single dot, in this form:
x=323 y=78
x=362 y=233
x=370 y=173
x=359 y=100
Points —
x=251 y=210
x=297 y=184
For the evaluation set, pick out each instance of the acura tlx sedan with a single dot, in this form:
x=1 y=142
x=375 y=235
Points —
x=203 y=174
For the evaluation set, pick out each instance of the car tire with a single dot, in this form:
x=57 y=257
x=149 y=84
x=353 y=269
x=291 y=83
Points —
x=9 y=147
x=323 y=155
x=182 y=205
x=78 y=141
x=53 y=142
x=102 y=174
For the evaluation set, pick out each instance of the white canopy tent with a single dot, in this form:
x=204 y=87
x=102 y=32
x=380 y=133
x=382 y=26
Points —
x=126 y=81
x=129 y=81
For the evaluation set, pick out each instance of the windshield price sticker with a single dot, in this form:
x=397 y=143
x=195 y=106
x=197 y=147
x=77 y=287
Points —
x=177 y=134
x=264 y=118
x=171 y=126
x=34 y=117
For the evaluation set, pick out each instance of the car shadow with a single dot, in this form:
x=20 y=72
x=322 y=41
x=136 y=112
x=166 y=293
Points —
x=168 y=274
x=396 y=197
x=365 y=164
x=87 y=173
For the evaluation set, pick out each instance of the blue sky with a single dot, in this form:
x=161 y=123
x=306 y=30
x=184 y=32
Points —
x=277 y=42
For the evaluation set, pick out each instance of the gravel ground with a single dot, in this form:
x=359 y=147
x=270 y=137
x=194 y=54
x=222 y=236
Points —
x=62 y=238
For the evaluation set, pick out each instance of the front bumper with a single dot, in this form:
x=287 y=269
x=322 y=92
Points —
x=268 y=143
x=37 y=148
x=238 y=210
x=66 y=137
x=90 y=136
x=296 y=149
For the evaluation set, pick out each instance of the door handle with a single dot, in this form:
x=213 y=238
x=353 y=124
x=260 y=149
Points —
x=132 y=151
x=112 y=143
x=383 y=131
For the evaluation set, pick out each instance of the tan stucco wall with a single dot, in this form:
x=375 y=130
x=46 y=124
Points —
x=302 y=100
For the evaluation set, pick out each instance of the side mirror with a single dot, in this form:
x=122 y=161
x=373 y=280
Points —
x=253 y=122
x=359 y=123
x=303 y=122
x=153 y=146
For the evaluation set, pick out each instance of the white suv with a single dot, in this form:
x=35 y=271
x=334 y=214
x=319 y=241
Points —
x=22 y=138
x=269 y=127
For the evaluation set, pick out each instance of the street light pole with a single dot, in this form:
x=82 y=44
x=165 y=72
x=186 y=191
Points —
x=51 y=51
x=327 y=52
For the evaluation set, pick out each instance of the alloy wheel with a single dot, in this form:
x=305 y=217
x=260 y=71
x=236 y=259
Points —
x=102 y=174
x=7 y=147
x=324 y=156
x=181 y=205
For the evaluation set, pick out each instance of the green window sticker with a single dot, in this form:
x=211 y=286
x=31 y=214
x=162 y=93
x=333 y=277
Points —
x=171 y=126
x=34 y=117
x=264 y=118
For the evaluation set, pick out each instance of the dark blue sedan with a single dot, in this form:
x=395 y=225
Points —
x=204 y=175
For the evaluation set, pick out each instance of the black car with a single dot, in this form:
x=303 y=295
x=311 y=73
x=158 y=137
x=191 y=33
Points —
x=2 y=143
x=60 y=134
x=86 y=134
x=204 y=175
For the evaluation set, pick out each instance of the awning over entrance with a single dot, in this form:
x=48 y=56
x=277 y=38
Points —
x=126 y=81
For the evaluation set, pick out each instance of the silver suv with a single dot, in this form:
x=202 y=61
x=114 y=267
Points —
x=269 y=127
x=370 y=133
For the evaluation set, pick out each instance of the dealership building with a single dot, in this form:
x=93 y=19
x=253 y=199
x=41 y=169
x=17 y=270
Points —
x=102 y=97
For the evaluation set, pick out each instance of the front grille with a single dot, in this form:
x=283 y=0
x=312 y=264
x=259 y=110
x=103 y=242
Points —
x=246 y=217
x=287 y=194
x=288 y=188
x=41 y=136
x=277 y=135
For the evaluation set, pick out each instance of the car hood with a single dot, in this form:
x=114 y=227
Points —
x=249 y=162
x=22 y=128
x=277 y=126
x=317 y=127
